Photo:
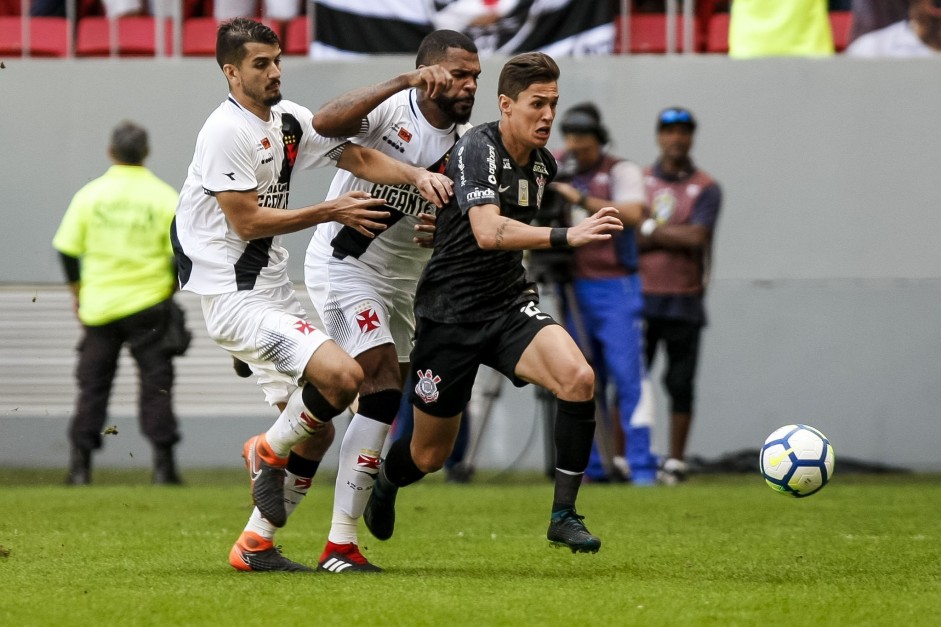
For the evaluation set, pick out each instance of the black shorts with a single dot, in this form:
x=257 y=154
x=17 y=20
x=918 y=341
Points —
x=681 y=340
x=446 y=356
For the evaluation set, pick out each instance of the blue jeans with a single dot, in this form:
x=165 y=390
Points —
x=611 y=335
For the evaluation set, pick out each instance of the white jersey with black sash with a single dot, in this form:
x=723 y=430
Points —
x=397 y=128
x=237 y=151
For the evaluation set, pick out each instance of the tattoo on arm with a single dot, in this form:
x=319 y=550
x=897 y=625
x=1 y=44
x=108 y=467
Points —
x=499 y=238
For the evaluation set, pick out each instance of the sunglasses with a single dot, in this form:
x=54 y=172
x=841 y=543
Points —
x=677 y=116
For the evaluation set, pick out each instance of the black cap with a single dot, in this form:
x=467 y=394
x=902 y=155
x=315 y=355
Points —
x=584 y=119
x=676 y=115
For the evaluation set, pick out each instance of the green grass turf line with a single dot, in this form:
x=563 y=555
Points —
x=719 y=550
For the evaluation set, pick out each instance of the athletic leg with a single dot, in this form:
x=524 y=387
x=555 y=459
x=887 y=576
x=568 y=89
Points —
x=360 y=456
x=333 y=379
x=444 y=362
x=581 y=322
x=553 y=360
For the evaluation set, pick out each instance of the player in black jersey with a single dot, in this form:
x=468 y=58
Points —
x=475 y=305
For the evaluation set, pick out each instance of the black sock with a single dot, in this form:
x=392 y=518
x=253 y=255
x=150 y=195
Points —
x=399 y=468
x=566 y=490
x=301 y=466
x=574 y=432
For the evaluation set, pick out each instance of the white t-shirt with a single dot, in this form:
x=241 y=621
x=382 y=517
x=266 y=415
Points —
x=397 y=128
x=895 y=40
x=237 y=151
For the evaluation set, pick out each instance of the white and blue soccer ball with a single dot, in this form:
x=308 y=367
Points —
x=797 y=460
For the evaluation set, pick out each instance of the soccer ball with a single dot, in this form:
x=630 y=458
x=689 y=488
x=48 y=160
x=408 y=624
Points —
x=796 y=460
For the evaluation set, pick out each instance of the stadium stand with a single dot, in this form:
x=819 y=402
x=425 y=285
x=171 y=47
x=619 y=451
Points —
x=10 y=7
x=48 y=36
x=199 y=37
x=92 y=37
x=136 y=36
x=717 y=37
x=841 y=23
x=648 y=34
x=297 y=36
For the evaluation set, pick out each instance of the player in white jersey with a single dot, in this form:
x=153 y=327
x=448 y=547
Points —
x=364 y=288
x=226 y=236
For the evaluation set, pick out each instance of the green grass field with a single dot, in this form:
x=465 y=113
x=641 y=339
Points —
x=719 y=550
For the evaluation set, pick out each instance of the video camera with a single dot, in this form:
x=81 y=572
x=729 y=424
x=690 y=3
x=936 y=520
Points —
x=554 y=265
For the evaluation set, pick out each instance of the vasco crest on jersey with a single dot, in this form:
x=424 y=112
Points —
x=427 y=386
x=304 y=327
x=366 y=317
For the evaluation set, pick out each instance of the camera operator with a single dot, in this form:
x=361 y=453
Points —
x=552 y=267
x=608 y=306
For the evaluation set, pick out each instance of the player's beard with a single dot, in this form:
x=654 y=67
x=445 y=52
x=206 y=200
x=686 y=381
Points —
x=450 y=107
x=264 y=96
x=274 y=99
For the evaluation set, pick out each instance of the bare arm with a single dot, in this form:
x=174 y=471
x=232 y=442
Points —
x=253 y=221
x=688 y=236
x=630 y=213
x=497 y=232
x=71 y=266
x=676 y=236
x=343 y=116
x=374 y=166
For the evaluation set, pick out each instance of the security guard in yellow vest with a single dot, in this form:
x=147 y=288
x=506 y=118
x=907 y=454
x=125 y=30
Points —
x=114 y=243
x=763 y=28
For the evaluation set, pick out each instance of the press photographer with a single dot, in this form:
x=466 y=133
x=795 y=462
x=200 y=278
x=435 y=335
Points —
x=606 y=318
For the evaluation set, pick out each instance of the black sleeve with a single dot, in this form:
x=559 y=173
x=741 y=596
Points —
x=71 y=266
x=474 y=172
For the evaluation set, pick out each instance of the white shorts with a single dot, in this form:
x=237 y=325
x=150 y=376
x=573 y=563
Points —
x=361 y=310
x=270 y=331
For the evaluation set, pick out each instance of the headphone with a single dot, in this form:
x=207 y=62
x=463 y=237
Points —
x=585 y=121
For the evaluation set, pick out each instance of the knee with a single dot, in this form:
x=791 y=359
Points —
x=351 y=379
x=430 y=459
x=344 y=384
x=579 y=385
x=681 y=394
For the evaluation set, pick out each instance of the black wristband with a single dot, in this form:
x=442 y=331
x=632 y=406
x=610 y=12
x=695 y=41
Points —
x=558 y=237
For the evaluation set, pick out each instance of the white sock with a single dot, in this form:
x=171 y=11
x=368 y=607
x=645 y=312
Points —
x=295 y=489
x=260 y=525
x=358 y=466
x=293 y=426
